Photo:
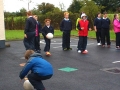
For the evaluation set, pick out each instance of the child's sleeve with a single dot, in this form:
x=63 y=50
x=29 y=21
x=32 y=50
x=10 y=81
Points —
x=26 y=27
x=25 y=70
x=53 y=31
x=43 y=31
x=62 y=26
x=78 y=26
x=40 y=27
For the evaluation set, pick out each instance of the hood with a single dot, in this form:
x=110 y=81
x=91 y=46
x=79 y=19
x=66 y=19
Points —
x=36 y=55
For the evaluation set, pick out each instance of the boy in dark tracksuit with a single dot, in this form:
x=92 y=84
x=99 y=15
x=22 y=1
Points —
x=97 y=27
x=29 y=32
x=83 y=27
x=37 y=35
x=45 y=30
x=66 y=27
x=39 y=67
x=105 y=32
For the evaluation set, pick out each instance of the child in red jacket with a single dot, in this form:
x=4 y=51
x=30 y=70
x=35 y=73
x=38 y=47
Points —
x=83 y=27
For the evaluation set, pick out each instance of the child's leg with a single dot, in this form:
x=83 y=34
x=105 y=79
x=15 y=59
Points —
x=47 y=46
x=68 y=40
x=84 y=43
x=108 y=36
x=117 y=39
x=36 y=81
x=103 y=36
x=64 y=40
x=97 y=37
x=80 y=43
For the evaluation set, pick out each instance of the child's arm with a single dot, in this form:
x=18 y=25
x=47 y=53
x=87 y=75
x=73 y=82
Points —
x=26 y=28
x=43 y=31
x=40 y=27
x=25 y=70
x=61 y=26
x=95 y=25
x=78 y=26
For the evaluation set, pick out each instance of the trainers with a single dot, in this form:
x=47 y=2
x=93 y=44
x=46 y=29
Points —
x=79 y=51
x=65 y=49
x=108 y=46
x=48 y=54
x=84 y=52
x=99 y=44
x=103 y=46
x=69 y=48
x=117 y=48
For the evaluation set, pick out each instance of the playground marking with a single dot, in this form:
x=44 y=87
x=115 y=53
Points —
x=68 y=69
x=116 y=62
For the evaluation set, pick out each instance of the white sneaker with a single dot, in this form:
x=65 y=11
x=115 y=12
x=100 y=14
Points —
x=79 y=51
x=86 y=50
x=99 y=44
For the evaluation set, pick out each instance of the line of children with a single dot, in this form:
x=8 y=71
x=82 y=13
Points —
x=66 y=27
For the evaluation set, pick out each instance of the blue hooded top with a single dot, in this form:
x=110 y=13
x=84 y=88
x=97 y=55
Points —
x=36 y=64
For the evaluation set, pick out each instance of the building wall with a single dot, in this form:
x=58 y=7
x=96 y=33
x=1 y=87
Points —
x=2 y=29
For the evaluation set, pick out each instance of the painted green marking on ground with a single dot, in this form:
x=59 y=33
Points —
x=68 y=69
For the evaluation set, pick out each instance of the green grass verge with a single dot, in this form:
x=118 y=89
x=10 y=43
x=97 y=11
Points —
x=19 y=34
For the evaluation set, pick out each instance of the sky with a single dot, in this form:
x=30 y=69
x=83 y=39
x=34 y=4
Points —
x=16 y=5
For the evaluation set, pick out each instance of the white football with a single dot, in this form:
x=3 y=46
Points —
x=49 y=36
x=27 y=85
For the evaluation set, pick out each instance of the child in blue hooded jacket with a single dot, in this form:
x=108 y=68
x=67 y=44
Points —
x=39 y=67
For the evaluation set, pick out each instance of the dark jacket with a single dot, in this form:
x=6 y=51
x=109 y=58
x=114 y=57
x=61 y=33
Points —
x=66 y=25
x=30 y=27
x=106 y=23
x=98 y=23
x=45 y=30
x=39 y=27
x=36 y=64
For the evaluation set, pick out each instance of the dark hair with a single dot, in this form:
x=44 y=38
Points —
x=114 y=17
x=104 y=13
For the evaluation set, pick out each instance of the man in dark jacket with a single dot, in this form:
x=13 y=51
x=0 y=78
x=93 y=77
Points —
x=29 y=32
x=39 y=67
x=66 y=27
x=105 y=32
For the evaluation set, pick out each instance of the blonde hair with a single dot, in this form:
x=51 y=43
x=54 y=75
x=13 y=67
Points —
x=65 y=13
x=28 y=53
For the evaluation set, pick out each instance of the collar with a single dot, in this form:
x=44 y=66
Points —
x=66 y=19
x=104 y=18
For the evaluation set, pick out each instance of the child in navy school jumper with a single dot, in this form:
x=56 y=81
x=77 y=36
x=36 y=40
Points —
x=66 y=27
x=45 y=30
x=39 y=67
x=37 y=35
x=105 y=31
x=29 y=32
x=83 y=27
x=97 y=27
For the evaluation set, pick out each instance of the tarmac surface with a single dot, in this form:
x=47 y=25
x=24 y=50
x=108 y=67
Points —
x=72 y=71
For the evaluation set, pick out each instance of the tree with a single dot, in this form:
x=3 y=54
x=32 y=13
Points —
x=109 y=5
x=23 y=11
x=75 y=6
x=91 y=9
x=45 y=7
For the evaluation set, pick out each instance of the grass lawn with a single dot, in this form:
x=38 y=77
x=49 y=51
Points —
x=19 y=34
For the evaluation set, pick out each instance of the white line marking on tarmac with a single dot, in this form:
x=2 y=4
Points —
x=116 y=62
x=72 y=45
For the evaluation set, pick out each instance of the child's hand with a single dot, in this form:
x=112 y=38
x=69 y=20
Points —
x=95 y=30
x=82 y=28
x=25 y=36
x=90 y=29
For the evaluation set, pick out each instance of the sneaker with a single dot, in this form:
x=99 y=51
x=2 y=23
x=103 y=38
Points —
x=108 y=46
x=84 y=52
x=69 y=49
x=79 y=51
x=65 y=49
x=117 y=48
x=103 y=46
x=99 y=44
x=48 y=54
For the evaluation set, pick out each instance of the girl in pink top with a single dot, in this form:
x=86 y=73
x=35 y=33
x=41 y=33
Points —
x=116 y=24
